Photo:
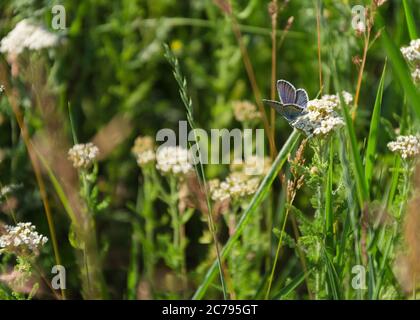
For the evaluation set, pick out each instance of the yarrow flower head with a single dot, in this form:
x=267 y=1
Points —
x=5 y=191
x=406 y=146
x=236 y=186
x=416 y=75
x=2 y=89
x=218 y=192
x=83 y=155
x=245 y=111
x=27 y=35
x=412 y=52
x=321 y=116
x=335 y=99
x=412 y=55
x=252 y=165
x=143 y=150
x=22 y=239
x=174 y=161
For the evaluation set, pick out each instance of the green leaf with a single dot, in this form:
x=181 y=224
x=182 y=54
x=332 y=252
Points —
x=328 y=194
x=394 y=181
x=373 y=132
x=411 y=25
x=362 y=189
x=252 y=209
x=332 y=276
x=292 y=285
x=73 y=239
x=400 y=67
x=187 y=216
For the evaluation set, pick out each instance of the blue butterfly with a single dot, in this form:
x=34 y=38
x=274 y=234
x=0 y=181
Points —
x=292 y=102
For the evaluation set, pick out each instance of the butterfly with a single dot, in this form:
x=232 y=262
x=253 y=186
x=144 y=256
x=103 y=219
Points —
x=292 y=103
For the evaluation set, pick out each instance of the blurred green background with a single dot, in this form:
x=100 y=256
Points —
x=111 y=63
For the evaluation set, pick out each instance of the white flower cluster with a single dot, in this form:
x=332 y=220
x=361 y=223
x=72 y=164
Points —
x=2 y=88
x=8 y=189
x=237 y=185
x=218 y=191
x=245 y=111
x=360 y=27
x=321 y=116
x=406 y=146
x=241 y=185
x=26 y=35
x=412 y=55
x=83 y=155
x=334 y=98
x=253 y=165
x=146 y=157
x=143 y=149
x=173 y=161
x=21 y=238
x=243 y=180
x=416 y=75
x=412 y=52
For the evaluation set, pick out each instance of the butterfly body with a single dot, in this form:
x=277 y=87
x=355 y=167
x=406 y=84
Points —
x=292 y=102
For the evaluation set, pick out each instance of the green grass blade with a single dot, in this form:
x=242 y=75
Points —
x=292 y=285
x=400 y=67
x=382 y=270
x=332 y=276
x=373 y=132
x=328 y=194
x=362 y=189
x=59 y=190
x=394 y=181
x=252 y=209
x=411 y=25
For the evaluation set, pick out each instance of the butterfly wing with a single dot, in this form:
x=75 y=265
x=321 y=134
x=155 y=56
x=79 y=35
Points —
x=287 y=92
x=275 y=105
x=289 y=111
x=292 y=111
x=301 y=98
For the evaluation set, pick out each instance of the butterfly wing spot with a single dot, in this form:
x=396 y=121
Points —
x=287 y=92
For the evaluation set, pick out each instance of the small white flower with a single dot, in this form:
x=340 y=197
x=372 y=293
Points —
x=237 y=185
x=217 y=192
x=240 y=185
x=2 y=88
x=145 y=157
x=83 y=155
x=27 y=35
x=360 y=27
x=321 y=116
x=143 y=149
x=8 y=189
x=327 y=125
x=406 y=146
x=334 y=98
x=416 y=75
x=252 y=165
x=245 y=111
x=412 y=52
x=173 y=160
x=22 y=238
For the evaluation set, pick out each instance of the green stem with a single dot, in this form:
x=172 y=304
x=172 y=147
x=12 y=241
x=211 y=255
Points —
x=270 y=281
